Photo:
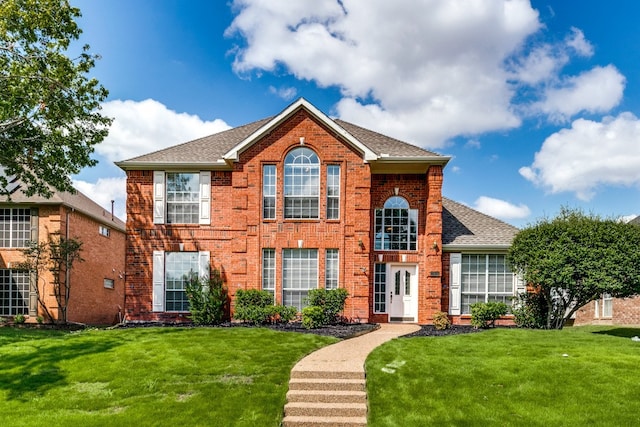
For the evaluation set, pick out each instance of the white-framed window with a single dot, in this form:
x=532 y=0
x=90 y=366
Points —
x=109 y=283
x=485 y=278
x=333 y=192
x=171 y=273
x=604 y=306
x=269 y=191
x=331 y=269
x=15 y=227
x=299 y=274
x=396 y=226
x=182 y=197
x=104 y=231
x=14 y=292
x=302 y=184
x=380 y=288
x=269 y=270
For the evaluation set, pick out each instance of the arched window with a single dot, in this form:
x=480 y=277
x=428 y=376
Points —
x=396 y=226
x=301 y=184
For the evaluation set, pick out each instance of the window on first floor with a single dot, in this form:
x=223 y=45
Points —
x=15 y=227
x=269 y=270
x=299 y=274
x=604 y=306
x=14 y=292
x=108 y=283
x=331 y=267
x=171 y=274
x=104 y=231
x=380 y=288
x=481 y=278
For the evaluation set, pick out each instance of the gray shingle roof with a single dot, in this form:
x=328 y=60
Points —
x=212 y=148
x=466 y=227
x=77 y=201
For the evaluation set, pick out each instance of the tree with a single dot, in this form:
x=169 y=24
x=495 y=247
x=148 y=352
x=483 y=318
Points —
x=49 y=120
x=574 y=258
x=57 y=255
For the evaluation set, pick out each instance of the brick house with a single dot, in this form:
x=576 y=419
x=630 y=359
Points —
x=97 y=283
x=300 y=201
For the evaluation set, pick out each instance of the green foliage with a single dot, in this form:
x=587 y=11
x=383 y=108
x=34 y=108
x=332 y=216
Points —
x=256 y=307
x=40 y=320
x=330 y=301
x=57 y=255
x=574 y=258
x=441 y=320
x=49 y=124
x=313 y=317
x=207 y=301
x=19 y=319
x=529 y=310
x=485 y=314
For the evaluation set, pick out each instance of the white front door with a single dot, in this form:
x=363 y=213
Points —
x=403 y=293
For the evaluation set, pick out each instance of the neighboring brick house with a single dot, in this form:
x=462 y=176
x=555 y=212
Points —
x=97 y=283
x=611 y=311
x=300 y=201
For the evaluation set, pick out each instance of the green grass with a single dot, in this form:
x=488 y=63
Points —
x=150 y=376
x=507 y=377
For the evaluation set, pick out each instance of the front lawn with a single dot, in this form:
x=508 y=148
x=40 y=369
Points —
x=148 y=376
x=507 y=377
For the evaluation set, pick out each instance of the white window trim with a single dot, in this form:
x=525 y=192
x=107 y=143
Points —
x=158 y=288
x=159 y=197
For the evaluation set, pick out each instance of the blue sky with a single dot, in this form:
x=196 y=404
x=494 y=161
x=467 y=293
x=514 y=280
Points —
x=537 y=102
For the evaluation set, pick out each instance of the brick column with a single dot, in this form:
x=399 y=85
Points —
x=432 y=297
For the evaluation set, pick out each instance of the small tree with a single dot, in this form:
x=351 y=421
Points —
x=207 y=300
x=57 y=255
x=575 y=258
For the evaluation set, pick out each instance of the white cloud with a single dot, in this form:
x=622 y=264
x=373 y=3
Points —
x=595 y=91
x=501 y=209
x=423 y=71
x=105 y=190
x=286 y=93
x=146 y=126
x=587 y=155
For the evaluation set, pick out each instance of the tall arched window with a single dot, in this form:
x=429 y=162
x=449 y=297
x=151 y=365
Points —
x=396 y=226
x=301 y=184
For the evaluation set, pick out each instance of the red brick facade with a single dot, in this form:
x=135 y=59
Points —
x=624 y=311
x=238 y=233
x=89 y=302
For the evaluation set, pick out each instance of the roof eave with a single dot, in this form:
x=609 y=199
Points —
x=452 y=247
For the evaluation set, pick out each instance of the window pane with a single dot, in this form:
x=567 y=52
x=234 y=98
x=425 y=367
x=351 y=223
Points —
x=396 y=226
x=180 y=267
x=333 y=192
x=15 y=227
x=380 y=288
x=14 y=292
x=269 y=270
x=299 y=274
x=331 y=269
x=301 y=184
x=183 y=195
x=485 y=278
x=269 y=192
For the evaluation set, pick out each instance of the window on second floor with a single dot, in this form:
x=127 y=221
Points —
x=396 y=226
x=333 y=192
x=15 y=227
x=183 y=198
x=269 y=192
x=302 y=184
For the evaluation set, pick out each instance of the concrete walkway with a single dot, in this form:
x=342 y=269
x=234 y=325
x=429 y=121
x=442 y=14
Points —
x=328 y=387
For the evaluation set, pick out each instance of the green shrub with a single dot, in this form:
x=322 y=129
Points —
x=530 y=311
x=441 y=320
x=40 y=320
x=330 y=301
x=207 y=300
x=485 y=314
x=19 y=319
x=256 y=307
x=313 y=317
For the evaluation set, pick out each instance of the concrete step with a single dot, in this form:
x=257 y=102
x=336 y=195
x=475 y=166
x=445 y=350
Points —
x=327 y=384
x=324 y=422
x=316 y=409
x=327 y=396
x=355 y=375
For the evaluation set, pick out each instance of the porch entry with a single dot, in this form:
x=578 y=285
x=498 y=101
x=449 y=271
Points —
x=402 y=286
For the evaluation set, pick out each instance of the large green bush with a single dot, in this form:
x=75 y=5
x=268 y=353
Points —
x=256 y=307
x=485 y=314
x=207 y=299
x=530 y=310
x=330 y=302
